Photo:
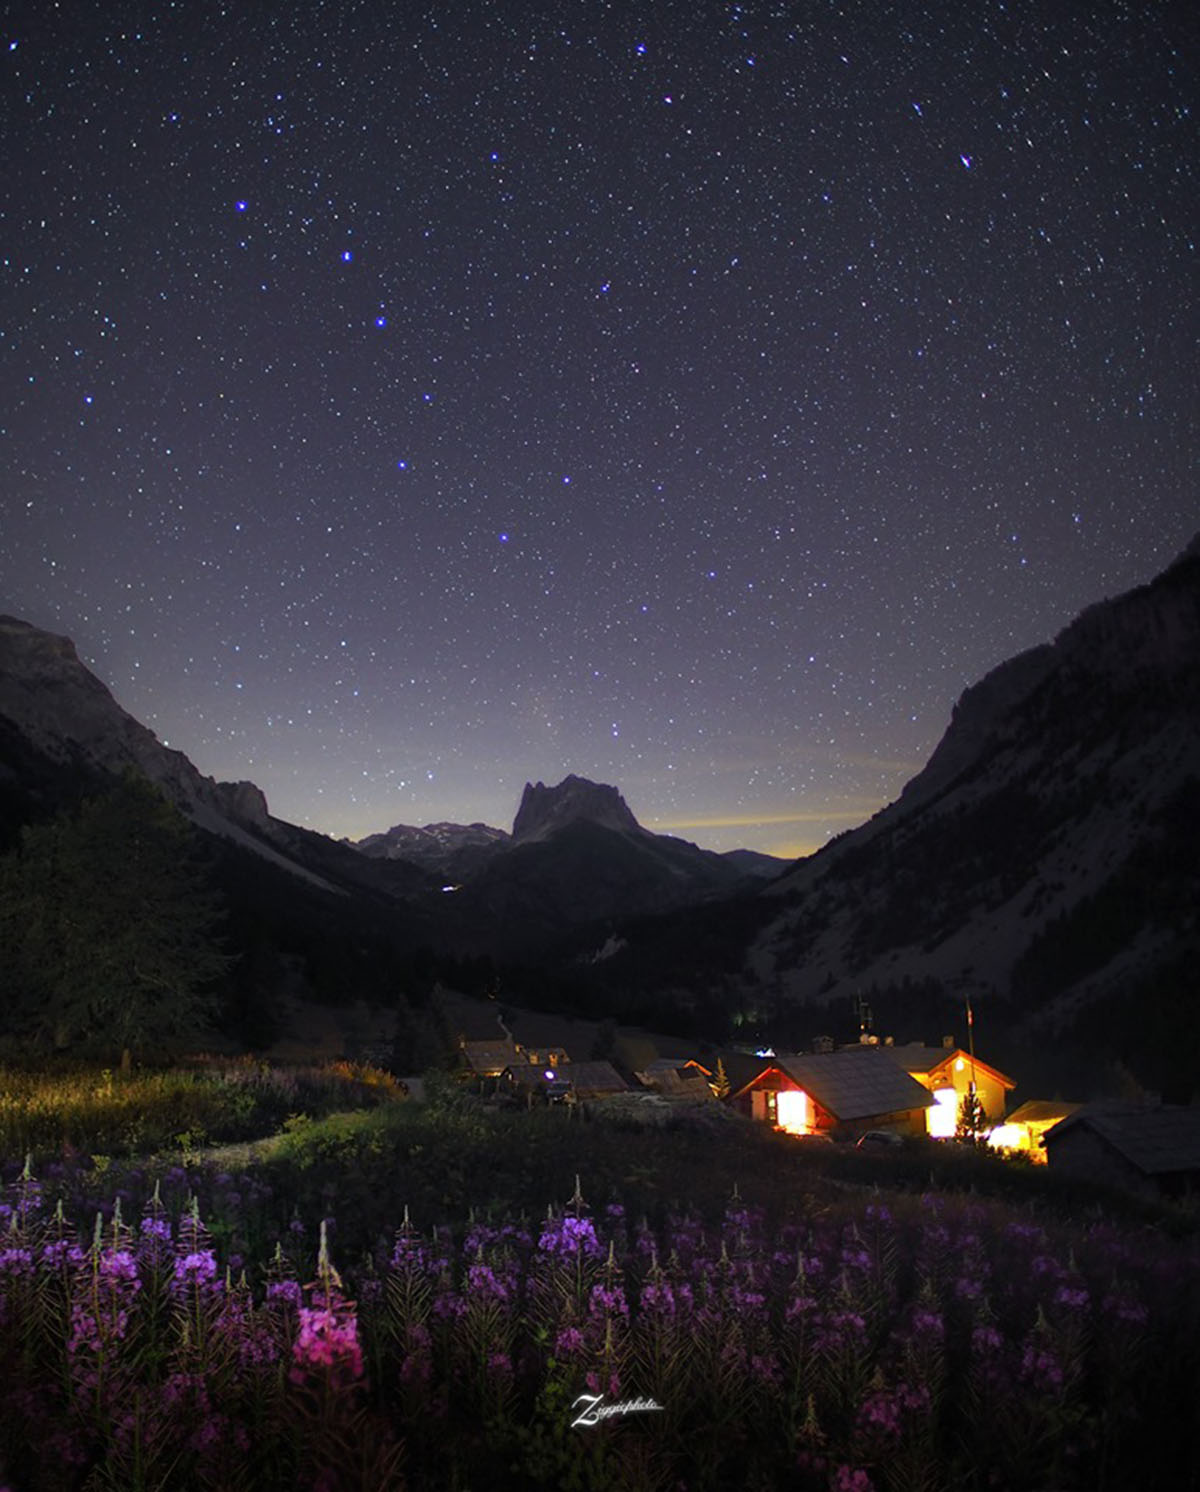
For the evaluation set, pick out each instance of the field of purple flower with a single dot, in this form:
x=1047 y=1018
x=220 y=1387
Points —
x=855 y=1339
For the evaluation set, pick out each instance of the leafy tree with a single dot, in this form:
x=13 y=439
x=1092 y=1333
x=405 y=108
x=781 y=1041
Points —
x=109 y=926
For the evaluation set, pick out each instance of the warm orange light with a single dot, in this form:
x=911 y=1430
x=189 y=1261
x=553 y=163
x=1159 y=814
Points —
x=1007 y=1137
x=792 y=1112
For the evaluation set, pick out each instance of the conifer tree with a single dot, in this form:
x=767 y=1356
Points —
x=109 y=926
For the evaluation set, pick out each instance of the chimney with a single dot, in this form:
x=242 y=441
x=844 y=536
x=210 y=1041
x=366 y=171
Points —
x=949 y=1043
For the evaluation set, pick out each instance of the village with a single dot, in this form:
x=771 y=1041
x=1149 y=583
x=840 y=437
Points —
x=874 y=1093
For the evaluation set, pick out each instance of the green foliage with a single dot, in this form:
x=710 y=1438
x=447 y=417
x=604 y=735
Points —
x=68 y=1107
x=109 y=925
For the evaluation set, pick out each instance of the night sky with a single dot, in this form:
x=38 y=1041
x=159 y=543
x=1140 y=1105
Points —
x=400 y=402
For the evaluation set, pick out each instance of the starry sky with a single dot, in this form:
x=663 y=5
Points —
x=402 y=401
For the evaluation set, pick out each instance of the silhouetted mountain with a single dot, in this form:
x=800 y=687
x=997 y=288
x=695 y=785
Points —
x=452 y=851
x=1046 y=861
x=544 y=811
x=577 y=857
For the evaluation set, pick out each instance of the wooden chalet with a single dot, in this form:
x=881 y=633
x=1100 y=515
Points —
x=676 y=1079
x=947 y=1071
x=839 y=1093
x=1150 y=1151
x=1024 y=1129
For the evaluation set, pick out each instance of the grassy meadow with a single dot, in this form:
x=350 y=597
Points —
x=235 y=1276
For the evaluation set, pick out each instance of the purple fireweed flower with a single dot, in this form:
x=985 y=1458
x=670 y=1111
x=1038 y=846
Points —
x=913 y=1398
x=747 y=1302
x=157 y=1228
x=118 y=1265
x=800 y=1308
x=484 y=1283
x=448 y=1307
x=15 y=1262
x=570 y=1237
x=1071 y=1297
x=1123 y=1308
x=658 y=1298
x=851 y=1479
x=197 y=1271
x=986 y=1339
x=928 y=1324
x=1041 y=1367
x=879 y=1416
x=569 y=1340
x=63 y=1252
x=287 y=1292
x=606 y=1301
x=328 y=1341
x=612 y=1388
x=840 y=1331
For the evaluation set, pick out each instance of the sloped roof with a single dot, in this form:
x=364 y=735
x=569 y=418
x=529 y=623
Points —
x=488 y=1056
x=1155 y=1140
x=917 y=1058
x=686 y=1079
x=1042 y=1111
x=675 y=1064
x=856 y=1084
x=594 y=1079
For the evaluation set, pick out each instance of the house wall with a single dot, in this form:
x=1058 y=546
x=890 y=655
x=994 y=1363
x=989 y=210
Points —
x=904 y=1122
x=992 y=1095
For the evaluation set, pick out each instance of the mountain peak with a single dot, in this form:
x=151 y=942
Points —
x=544 y=810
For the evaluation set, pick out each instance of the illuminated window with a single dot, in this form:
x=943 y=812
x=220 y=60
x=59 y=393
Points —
x=942 y=1118
x=793 y=1112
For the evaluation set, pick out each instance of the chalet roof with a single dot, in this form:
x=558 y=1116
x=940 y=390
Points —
x=681 y=1078
x=1157 y=1141
x=595 y=1079
x=488 y=1057
x=676 y=1064
x=915 y=1057
x=1042 y=1111
x=856 y=1084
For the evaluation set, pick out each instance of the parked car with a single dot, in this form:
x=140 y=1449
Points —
x=879 y=1139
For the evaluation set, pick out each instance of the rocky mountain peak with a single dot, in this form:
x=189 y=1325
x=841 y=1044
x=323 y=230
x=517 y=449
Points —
x=544 y=810
x=63 y=711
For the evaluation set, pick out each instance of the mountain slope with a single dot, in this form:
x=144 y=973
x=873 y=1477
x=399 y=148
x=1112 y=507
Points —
x=1050 y=849
x=1045 y=862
